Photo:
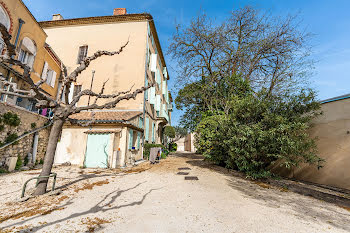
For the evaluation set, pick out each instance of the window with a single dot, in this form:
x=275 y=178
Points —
x=23 y=56
x=141 y=123
x=138 y=140
x=49 y=75
x=27 y=52
x=5 y=20
x=77 y=89
x=146 y=84
x=147 y=129
x=83 y=50
x=132 y=140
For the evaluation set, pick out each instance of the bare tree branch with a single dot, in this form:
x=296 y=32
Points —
x=114 y=102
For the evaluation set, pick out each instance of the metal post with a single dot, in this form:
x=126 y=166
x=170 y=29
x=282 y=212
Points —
x=92 y=81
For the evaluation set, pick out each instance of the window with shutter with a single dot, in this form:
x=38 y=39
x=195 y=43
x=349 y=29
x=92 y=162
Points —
x=53 y=80
x=49 y=76
x=147 y=129
x=138 y=140
x=83 y=50
x=131 y=138
x=27 y=52
x=77 y=89
x=146 y=92
x=141 y=123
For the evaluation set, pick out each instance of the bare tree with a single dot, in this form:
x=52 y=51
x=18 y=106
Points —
x=271 y=52
x=62 y=110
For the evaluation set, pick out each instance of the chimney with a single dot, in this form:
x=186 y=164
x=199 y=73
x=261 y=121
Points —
x=57 y=17
x=119 y=11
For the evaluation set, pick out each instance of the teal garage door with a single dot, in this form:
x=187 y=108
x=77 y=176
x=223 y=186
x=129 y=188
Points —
x=97 y=150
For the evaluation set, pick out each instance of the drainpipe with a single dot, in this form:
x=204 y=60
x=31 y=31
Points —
x=21 y=22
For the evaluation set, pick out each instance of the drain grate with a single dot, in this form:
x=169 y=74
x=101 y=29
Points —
x=191 y=178
x=183 y=173
x=184 y=168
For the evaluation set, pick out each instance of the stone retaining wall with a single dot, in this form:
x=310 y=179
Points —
x=24 y=145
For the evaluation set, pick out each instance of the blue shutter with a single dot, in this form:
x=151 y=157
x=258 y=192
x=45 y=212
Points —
x=152 y=95
x=131 y=138
x=138 y=140
x=152 y=132
x=147 y=129
x=146 y=92
x=158 y=103
x=141 y=123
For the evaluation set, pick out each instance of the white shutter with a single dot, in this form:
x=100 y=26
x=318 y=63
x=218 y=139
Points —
x=31 y=61
x=152 y=96
x=53 y=79
x=44 y=73
x=157 y=107
x=165 y=73
x=153 y=67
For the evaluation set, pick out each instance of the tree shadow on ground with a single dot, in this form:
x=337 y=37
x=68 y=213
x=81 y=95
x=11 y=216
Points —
x=305 y=208
x=104 y=205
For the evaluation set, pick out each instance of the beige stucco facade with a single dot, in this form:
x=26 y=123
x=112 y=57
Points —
x=129 y=69
x=332 y=130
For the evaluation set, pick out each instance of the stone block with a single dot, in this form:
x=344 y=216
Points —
x=11 y=163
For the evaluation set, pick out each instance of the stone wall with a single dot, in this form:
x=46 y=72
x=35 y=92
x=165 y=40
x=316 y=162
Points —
x=24 y=145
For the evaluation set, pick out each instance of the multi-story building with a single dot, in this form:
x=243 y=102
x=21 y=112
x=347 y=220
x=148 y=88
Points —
x=117 y=135
x=32 y=49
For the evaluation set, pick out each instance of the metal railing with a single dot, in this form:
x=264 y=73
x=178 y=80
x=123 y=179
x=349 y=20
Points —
x=54 y=175
x=25 y=135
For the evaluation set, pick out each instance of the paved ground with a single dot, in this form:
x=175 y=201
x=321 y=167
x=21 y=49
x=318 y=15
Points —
x=156 y=199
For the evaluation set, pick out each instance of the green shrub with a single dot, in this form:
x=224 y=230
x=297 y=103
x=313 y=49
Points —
x=172 y=146
x=33 y=125
x=19 y=163
x=11 y=119
x=41 y=161
x=258 y=131
x=163 y=155
x=2 y=127
x=26 y=160
x=169 y=131
x=147 y=149
x=3 y=171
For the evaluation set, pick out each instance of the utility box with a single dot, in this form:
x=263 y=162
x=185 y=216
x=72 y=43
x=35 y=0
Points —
x=11 y=163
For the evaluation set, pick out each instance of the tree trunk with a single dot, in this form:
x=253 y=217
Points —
x=49 y=156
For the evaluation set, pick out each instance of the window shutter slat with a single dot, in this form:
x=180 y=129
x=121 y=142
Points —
x=53 y=80
x=44 y=73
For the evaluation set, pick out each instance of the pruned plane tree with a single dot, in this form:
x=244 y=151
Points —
x=61 y=109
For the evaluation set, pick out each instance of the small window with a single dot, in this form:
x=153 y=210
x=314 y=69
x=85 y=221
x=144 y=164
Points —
x=27 y=52
x=23 y=56
x=77 y=90
x=83 y=50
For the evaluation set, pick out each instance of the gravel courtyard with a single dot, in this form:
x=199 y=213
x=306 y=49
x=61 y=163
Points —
x=154 y=198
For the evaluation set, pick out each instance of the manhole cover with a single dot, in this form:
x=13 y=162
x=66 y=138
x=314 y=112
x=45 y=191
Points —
x=184 y=168
x=191 y=178
x=183 y=173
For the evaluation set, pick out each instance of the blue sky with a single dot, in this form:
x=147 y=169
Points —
x=327 y=20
